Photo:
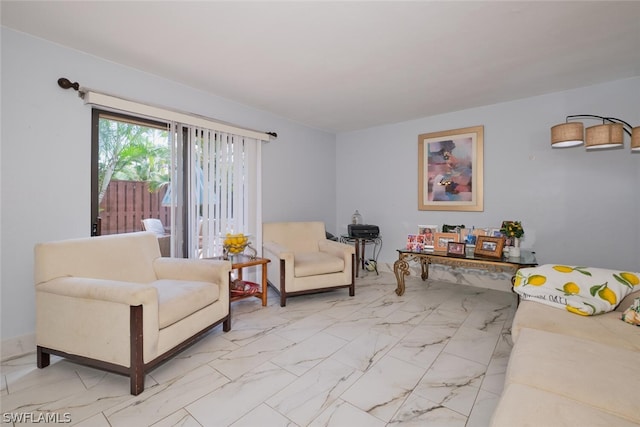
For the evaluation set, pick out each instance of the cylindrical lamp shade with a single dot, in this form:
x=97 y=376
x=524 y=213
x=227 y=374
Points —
x=635 y=139
x=567 y=135
x=604 y=136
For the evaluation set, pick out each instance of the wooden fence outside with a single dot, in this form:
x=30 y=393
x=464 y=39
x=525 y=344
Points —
x=127 y=203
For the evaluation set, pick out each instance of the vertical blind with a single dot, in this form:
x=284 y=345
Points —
x=222 y=189
x=215 y=190
x=215 y=177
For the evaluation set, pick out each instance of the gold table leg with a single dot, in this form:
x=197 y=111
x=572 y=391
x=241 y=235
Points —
x=424 y=263
x=400 y=269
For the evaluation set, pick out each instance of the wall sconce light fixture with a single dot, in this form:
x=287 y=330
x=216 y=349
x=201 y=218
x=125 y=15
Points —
x=610 y=134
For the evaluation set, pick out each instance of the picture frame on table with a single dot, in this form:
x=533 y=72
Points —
x=489 y=246
x=450 y=170
x=441 y=240
x=415 y=243
x=480 y=232
x=456 y=249
x=428 y=231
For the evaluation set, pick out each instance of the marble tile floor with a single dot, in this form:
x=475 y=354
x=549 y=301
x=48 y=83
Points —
x=435 y=356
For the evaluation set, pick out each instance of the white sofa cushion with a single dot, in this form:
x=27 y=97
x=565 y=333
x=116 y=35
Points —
x=525 y=406
x=314 y=263
x=596 y=374
x=605 y=328
x=178 y=299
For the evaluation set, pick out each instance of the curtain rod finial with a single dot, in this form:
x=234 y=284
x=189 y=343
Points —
x=273 y=134
x=65 y=83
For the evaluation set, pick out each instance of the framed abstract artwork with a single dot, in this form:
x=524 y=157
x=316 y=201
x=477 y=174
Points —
x=450 y=170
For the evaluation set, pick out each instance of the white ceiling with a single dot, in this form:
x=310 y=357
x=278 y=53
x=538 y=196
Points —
x=341 y=66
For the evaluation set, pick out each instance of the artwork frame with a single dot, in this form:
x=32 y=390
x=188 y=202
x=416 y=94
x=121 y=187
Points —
x=456 y=249
x=489 y=246
x=449 y=181
x=441 y=240
x=428 y=231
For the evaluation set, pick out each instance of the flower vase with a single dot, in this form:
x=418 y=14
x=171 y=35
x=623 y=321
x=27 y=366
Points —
x=514 y=251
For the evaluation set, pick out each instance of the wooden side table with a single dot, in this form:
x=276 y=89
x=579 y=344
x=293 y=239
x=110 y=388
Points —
x=240 y=261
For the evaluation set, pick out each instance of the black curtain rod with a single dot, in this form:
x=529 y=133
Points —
x=65 y=83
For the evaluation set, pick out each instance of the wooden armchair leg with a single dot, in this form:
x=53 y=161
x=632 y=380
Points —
x=283 y=292
x=43 y=358
x=352 y=288
x=137 y=358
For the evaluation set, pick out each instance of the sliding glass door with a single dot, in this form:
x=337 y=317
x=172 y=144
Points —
x=130 y=172
x=199 y=184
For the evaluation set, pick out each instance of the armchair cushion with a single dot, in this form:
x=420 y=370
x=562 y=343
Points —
x=179 y=299
x=314 y=263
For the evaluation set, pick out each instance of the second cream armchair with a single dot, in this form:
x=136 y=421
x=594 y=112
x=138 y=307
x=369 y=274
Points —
x=303 y=261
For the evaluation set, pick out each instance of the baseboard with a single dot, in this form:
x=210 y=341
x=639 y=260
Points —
x=14 y=347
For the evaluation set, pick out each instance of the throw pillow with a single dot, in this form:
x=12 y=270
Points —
x=580 y=290
x=632 y=314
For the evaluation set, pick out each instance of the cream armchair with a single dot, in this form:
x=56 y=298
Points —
x=303 y=261
x=112 y=302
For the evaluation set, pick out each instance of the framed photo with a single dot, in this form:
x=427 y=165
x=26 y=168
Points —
x=456 y=249
x=428 y=231
x=415 y=243
x=441 y=240
x=450 y=170
x=489 y=246
x=495 y=232
x=480 y=232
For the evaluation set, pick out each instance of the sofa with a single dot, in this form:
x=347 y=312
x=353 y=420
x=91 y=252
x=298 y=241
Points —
x=304 y=261
x=114 y=303
x=570 y=366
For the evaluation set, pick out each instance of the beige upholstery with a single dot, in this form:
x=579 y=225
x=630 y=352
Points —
x=164 y=239
x=605 y=328
x=578 y=369
x=526 y=406
x=571 y=370
x=304 y=261
x=113 y=302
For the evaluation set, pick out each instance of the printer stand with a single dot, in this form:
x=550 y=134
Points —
x=360 y=243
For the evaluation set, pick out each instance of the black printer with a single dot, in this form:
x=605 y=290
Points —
x=363 y=230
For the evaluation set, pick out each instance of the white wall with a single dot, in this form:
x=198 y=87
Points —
x=45 y=173
x=577 y=207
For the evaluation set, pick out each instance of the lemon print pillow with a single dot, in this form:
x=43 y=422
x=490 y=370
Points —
x=581 y=290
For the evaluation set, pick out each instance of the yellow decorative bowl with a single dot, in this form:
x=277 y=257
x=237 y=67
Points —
x=235 y=243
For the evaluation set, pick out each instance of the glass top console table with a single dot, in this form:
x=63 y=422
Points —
x=498 y=265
